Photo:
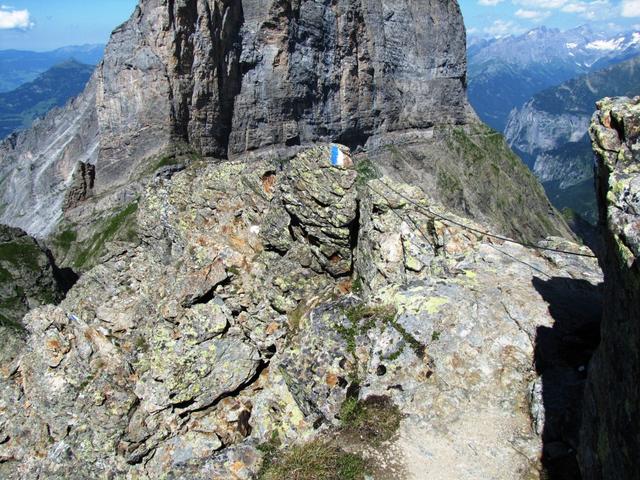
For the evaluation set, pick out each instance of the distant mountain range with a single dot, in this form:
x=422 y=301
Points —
x=50 y=89
x=18 y=67
x=550 y=133
x=504 y=73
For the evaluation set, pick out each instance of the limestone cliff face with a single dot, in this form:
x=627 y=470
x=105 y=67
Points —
x=610 y=439
x=232 y=77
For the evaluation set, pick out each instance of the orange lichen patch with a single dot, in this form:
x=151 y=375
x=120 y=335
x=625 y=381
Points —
x=236 y=467
x=246 y=265
x=53 y=344
x=335 y=258
x=237 y=242
x=456 y=362
x=202 y=241
x=272 y=328
x=344 y=287
x=332 y=380
x=88 y=334
x=268 y=182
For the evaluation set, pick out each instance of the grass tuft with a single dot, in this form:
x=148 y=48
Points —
x=375 y=419
x=315 y=460
x=366 y=171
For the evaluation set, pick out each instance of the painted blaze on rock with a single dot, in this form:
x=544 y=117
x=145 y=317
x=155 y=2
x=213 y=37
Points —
x=340 y=156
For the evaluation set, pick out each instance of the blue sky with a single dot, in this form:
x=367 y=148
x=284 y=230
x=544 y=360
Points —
x=49 y=24
x=504 y=17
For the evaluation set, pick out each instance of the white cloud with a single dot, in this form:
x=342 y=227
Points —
x=575 y=8
x=631 y=8
x=14 y=18
x=534 y=15
x=489 y=3
x=543 y=4
x=501 y=28
x=590 y=10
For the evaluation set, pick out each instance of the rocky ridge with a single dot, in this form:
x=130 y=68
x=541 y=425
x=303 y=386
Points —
x=258 y=298
x=608 y=440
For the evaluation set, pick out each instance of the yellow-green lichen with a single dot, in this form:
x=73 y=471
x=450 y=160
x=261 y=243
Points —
x=434 y=304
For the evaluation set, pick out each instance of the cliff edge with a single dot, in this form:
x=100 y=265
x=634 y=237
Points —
x=610 y=440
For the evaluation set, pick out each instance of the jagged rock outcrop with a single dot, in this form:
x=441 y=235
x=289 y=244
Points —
x=259 y=298
x=28 y=279
x=610 y=437
x=27 y=274
x=241 y=79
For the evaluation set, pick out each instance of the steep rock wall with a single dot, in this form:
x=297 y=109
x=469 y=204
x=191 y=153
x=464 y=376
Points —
x=610 y=438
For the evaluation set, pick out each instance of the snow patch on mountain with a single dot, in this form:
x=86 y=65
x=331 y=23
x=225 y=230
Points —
x=606 y=44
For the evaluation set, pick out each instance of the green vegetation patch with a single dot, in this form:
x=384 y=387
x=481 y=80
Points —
x=165 y=162
x=65 y=239
x=11 y=324
x=315 y=460
x=10 y=309
x=375 y=419
x=120 y=225
x=363 y=318
x=5 y=276
x=357 y=286
x=368 y=422
x=21 y=254
x=366 y=170
x=182 y=156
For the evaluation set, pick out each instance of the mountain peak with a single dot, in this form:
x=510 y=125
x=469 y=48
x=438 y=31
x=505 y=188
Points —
x=71 y=63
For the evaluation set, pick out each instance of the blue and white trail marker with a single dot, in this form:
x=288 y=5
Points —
x=337 y=157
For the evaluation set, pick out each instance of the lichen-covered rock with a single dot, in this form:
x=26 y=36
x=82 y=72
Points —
x=610 y=438
x=164 y=347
